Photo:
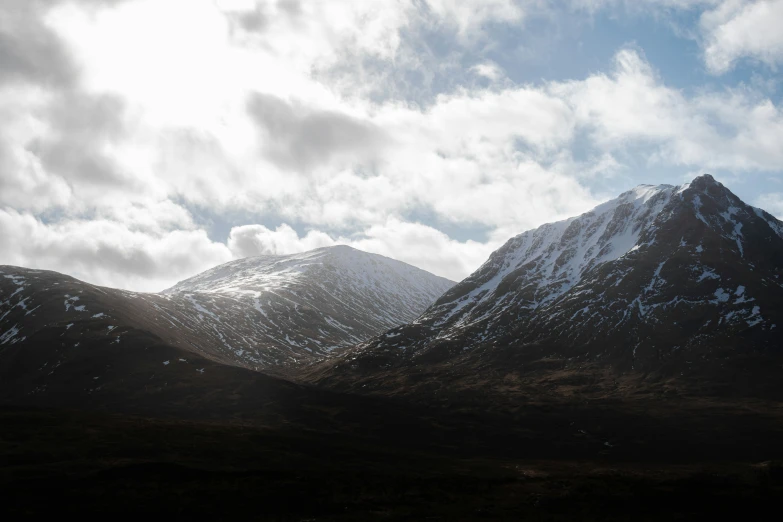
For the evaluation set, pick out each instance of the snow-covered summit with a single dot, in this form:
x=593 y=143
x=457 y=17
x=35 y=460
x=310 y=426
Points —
x=552 y=258
x=545 y=263
x=309 y=303
x=363 y=288
x=341 y=268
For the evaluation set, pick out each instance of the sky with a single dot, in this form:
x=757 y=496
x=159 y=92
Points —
x=144 y=141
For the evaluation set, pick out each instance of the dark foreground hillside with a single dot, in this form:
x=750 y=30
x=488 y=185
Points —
x=375 y=459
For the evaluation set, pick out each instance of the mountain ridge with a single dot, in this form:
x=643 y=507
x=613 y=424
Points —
x=667 y=282
x=52 y=324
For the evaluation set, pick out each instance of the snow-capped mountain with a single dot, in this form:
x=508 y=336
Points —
x=307 y=304
x=660 y=276
x=268 y=313
x=357 y=292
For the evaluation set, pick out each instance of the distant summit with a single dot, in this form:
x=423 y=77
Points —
x=315 y=301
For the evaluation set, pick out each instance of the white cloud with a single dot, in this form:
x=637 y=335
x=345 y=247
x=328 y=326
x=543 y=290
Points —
x=730 y=129
x=105 y=252
x=21 y=171
x=268 y=111
x=772 y=203
x=256 y=240
x=413 y=243
x=728 y=30
x=737 y=29
x=425 y=247
x=489 y=70
x=154 y=217
x=469 y=16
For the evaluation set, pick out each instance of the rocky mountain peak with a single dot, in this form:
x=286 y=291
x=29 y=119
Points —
x=705 y=184
x=655 y=277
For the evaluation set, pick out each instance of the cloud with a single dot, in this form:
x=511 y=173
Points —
x=413 y=243
x=299 y=137
x=30 y=52
x=60 y=146
x=469 y=16
x=425 y=247
x=727 y=30
x=256 y=240
x=82 y=128
x=54 y=136
x=379 y=125
x=106 y=252
x=772 y=203
x=642 y=6
x=739 y=29
x=732 y=129
x=489 y=70
x=121 y=251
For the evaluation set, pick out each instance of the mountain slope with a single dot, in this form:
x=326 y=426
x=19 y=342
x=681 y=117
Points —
x=667 y=281
x=269 y=314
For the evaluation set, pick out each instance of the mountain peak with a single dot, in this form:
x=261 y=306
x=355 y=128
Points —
x=333 y=249
x=704 y=180
x=346 y=248
x=662 y=278
x=351 y=266
x=704 y=184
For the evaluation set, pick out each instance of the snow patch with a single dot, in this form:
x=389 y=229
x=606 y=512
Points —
x=722 y=296
x=707 y=273
x=697 y=204
x=9 y=334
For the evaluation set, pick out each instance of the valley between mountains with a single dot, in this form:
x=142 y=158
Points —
x=601 y=366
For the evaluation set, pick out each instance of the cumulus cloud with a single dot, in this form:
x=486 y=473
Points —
x=738 y=29
x=489 y=70
x=414 y=243
x=81 y=129
x=257 y=240
x=772 y=203
x=296 y=136
x=425 y=247
x=728 y=30
x=303 y=113
x=106 y=252
x=469 y=16
x=730 y=129
x=29 y=50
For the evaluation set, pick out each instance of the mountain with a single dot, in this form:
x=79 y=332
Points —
x=319 y=300
x=664 y=284
x=59 y=335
